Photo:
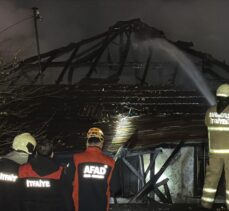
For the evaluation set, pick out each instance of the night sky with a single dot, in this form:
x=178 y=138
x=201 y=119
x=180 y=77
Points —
x=202 y=21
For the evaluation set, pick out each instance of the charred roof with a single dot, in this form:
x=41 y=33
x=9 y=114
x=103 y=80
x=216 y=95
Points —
x=117 y=80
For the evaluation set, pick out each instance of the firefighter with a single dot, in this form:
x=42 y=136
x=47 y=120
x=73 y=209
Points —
x=217 y=122
x=93 y=171
x=23 y=145
x=43 y=182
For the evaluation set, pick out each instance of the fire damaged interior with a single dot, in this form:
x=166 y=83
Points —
x=147 y=93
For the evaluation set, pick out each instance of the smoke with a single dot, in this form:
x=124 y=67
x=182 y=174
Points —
x=186 y=65
x=15 y=31
x=200 y=21
x=191 y=77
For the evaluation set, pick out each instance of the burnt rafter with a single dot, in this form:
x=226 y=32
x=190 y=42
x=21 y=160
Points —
x=89 y=53
x=99 y=53
x=123 y=54
x=57 y=109
x=146 y=67
x=67 y=65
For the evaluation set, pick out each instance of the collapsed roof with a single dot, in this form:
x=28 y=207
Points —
x=119 y=80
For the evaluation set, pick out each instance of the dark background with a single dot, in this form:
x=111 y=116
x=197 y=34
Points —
x=202 y=21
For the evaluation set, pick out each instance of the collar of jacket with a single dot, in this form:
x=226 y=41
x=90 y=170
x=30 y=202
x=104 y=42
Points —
x=93 y=149
x=17 y=157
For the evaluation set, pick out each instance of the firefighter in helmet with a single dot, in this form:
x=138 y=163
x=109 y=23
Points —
x=217 y=122
x=93 y=171
x=23 y=145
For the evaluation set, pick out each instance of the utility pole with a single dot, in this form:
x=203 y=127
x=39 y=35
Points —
x=36 y=16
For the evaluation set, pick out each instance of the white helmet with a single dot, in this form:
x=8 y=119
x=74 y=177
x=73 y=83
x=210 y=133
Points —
x=24 y=142
x=223 y=90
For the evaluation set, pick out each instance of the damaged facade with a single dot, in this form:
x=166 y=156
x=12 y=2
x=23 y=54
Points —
x=150 y=109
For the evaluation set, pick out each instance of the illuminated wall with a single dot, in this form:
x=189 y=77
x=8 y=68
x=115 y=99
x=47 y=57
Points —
x=180 y=173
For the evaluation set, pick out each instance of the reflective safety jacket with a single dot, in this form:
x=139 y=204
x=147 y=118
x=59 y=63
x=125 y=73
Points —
x=91 y=186
x=9 y=186
x=218 y=130
x=41 y=179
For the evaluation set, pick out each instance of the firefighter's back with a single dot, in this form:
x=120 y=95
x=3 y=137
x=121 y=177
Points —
x=9 y=186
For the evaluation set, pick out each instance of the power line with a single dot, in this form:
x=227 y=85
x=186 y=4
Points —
x=9 y=27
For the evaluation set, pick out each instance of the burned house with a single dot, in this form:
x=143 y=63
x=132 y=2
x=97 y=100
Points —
x=149 y=94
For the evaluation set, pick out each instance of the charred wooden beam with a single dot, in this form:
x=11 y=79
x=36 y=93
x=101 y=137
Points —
x=60 y=78
x=146 y=67
x=145 y=190
x=99 y=53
